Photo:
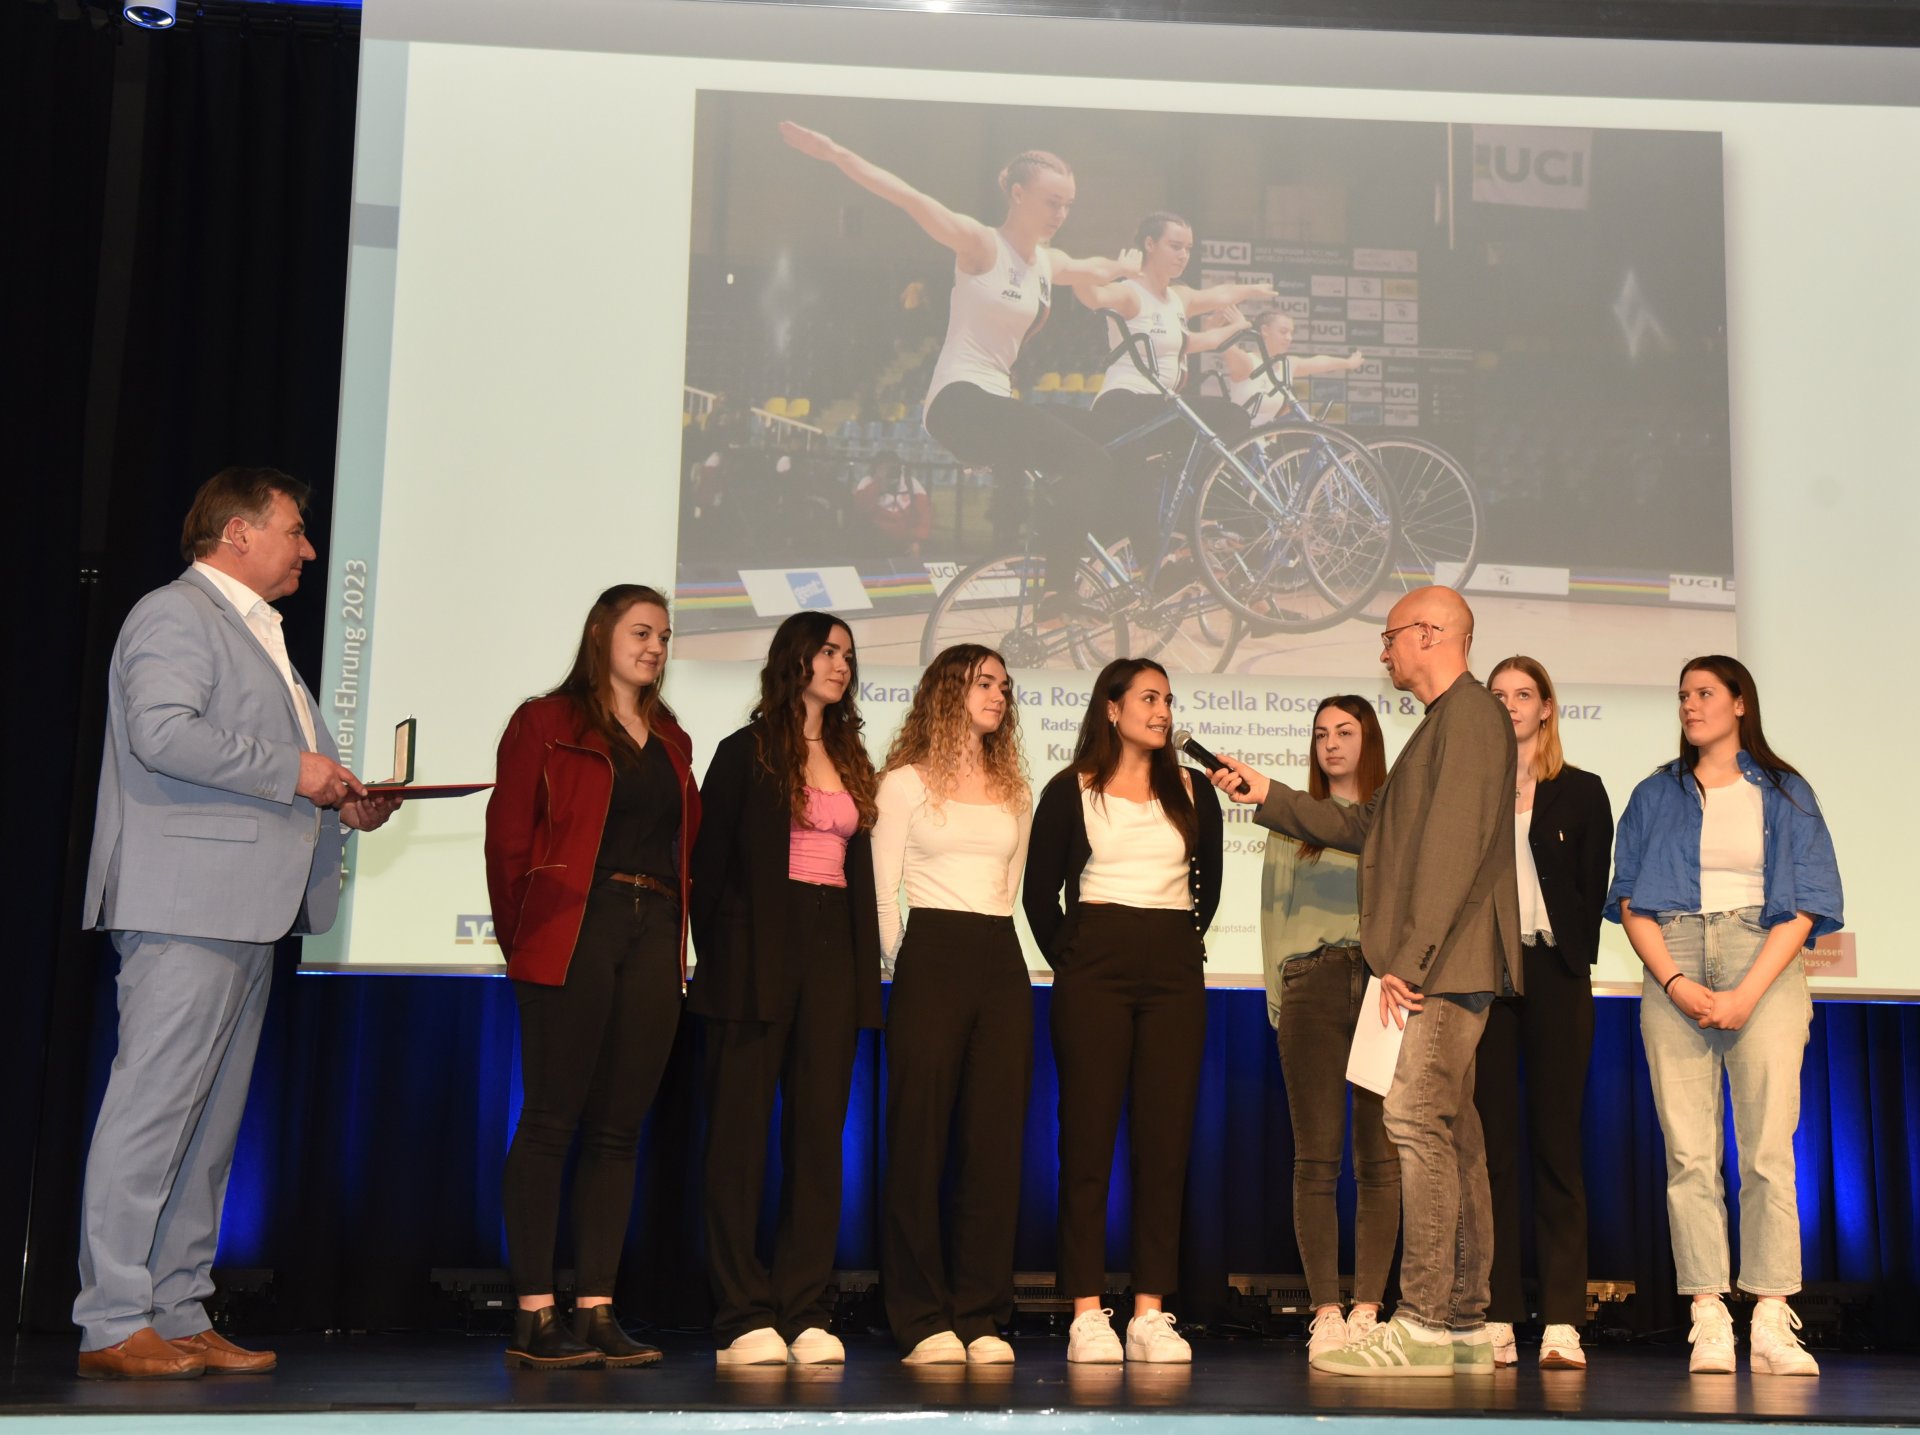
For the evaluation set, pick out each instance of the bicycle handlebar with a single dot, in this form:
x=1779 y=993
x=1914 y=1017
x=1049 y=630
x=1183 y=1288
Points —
x=1132 y=346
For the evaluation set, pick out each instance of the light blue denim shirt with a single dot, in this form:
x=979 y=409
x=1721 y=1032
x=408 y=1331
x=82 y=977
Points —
x=1656 y=852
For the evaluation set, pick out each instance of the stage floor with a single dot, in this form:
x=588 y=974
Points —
x=371 y=1375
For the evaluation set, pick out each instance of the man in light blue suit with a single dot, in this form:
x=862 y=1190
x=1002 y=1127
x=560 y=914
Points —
x=219 y=829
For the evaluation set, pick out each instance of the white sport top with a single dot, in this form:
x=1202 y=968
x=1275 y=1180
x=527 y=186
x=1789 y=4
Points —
x=1533 y=902
x=1244 y=391
x=1138 y=858
x=1162 y=320
x=958 y=857
x=992 y=315
x=1732 y=848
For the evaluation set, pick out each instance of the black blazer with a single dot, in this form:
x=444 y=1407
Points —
x=1572 y=844
x=739 y=907
x=1058 y=851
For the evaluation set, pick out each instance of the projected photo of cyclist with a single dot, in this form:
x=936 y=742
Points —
x=1338 y=360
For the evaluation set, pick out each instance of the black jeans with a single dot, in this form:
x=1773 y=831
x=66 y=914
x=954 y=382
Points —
x=1553 y=1025
x=1129 y=1020
x=1320 y=1000
x=805 y=1057
x=959 y=1058
x=1009 y=436
x=591 y=1055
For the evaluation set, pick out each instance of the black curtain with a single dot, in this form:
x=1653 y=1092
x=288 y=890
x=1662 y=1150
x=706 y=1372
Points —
x=176 y=274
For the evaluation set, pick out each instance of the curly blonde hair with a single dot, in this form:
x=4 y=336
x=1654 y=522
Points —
x=934 y=734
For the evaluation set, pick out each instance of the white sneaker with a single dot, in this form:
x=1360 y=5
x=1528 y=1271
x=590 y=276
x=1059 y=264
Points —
x=1505 y=1351
x=1360 y=1324
x=1152 y=1338
x=814 y=1346
x=1091 y=1341
x=1711 y=1339
x=942 y=1349
x=988 y=1350
x=1328 y=1332
x=1776 y=1349
x=757 y=1347
x=1560 y=1349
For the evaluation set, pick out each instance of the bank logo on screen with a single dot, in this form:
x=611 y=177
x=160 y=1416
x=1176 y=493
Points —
x=809 y=590
x=474 y=930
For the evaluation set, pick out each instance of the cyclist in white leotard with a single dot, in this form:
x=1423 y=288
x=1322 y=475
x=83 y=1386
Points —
x=1244 y=384
x=1003 y=283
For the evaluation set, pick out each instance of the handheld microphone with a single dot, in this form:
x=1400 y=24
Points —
x=1183 y=740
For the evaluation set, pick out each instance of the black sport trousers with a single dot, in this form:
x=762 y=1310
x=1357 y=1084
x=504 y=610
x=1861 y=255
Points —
x=592 y=1052
x=1553 y=1026
x=1129 y=1019
x=804 y=1055
x=959 y=1059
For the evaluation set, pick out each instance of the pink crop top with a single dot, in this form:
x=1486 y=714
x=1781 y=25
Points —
x=818 y=853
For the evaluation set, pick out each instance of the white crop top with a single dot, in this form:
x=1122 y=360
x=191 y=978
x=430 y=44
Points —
x=992 y=315
x=1733 y=858
x=958 y=857
x=1162 y=320
x=1138 y=860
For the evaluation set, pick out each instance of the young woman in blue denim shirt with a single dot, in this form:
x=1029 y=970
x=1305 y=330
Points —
x=1723 y=872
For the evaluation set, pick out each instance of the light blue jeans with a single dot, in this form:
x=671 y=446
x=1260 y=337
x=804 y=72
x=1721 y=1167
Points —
x=1762 y=1062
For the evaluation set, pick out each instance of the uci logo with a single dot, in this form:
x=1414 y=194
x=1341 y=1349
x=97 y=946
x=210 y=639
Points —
x=474 y=931
x=1516 y=164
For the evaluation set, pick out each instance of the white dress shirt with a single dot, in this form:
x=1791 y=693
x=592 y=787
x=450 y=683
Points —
x=263 y=621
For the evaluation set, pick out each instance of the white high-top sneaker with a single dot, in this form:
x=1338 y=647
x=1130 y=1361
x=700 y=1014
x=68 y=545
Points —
x=1712 y=1339
x=1091 y=1341
x=1776 y=1349
x=1505 y=1351
x=1152 y=1338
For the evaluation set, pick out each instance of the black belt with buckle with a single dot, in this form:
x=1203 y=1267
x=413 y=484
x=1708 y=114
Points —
x=641 y=882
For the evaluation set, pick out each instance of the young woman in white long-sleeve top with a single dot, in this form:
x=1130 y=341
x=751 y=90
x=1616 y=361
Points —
x=955 y=809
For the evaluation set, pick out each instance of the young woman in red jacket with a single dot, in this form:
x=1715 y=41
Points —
x=589 y=834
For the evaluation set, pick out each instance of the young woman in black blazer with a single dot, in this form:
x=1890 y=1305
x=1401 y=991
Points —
x=1563 y=828
x=1132 y=843
x=789 y=971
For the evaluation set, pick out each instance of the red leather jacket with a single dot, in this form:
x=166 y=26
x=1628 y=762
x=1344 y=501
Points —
x=553 y=784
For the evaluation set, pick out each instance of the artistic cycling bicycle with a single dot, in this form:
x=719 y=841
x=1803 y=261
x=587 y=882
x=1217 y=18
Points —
x=1288 y=529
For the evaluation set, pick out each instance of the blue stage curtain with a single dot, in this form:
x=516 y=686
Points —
x=382 y=1108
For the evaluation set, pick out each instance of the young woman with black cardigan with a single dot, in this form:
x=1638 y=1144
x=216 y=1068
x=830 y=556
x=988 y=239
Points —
x=789 y=972
x=1132 y=843
x=1563 y=829
x=588 y=832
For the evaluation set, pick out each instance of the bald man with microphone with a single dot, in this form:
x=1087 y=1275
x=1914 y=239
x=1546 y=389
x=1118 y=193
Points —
x=1440 y=927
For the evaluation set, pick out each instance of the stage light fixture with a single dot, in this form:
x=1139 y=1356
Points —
x=151 y=14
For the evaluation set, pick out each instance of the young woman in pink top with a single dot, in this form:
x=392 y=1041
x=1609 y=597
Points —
x=788 y=941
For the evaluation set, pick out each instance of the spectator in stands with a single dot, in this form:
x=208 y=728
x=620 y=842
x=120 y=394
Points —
x=895 y=507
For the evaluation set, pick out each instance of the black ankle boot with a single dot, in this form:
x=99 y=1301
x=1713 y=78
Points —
x=595 y=1326
x=541 y=1342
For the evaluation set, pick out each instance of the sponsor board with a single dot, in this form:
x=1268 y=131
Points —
x=1538 y=166
x=1507 y=578
x=1393 y=261
x=1401 y=336
x=1703 y=589
x=943 y=573
x=1329 y=286
x=777 y=592
x=1361 y=286
x=1364 y=309
x=1833 y=955
x=474 y=929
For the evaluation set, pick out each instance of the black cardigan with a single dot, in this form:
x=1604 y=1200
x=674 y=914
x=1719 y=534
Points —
x=739 y=905
x=1058 y=850
x=1572 y=844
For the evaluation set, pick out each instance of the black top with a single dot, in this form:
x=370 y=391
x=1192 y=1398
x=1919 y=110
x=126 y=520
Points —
x=1572 y=844
x=643 y=818
x=1058 y=852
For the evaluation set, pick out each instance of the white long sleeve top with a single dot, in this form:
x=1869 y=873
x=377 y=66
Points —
x=958 y=857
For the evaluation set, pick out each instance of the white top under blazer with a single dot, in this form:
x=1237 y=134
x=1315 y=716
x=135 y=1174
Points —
x=1139 y=858
x=992 y=315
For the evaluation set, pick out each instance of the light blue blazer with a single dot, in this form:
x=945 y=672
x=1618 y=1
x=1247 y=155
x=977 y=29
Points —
x=197 y=831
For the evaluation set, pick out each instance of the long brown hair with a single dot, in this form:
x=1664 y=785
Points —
x=779 y=718
x=1753 y=738
x=589 y=683
x=1369 y=774
x=934 y=734
x=1548 y=758
x=1096 y=756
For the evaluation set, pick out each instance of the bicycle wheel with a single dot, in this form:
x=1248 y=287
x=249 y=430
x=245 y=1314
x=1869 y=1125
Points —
x=995 y=603
x=1295 y=531
x=1439 y=514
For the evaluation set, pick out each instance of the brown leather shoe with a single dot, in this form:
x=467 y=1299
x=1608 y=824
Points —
x=142 y=1356
x=222 y=1356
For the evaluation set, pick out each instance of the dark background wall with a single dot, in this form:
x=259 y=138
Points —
x=174 y=285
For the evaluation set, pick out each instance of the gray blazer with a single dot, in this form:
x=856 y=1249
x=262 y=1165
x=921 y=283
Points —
x=197 y=831
x=1438 y=904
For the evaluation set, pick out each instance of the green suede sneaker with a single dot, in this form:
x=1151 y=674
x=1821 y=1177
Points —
x=1473 y=1351
x=1390 y=1350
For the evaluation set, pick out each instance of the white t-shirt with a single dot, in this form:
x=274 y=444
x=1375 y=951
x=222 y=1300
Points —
x=1162 y=320
x=992 y=315
x=1533 y=902
x=1139 y=859
x=957 y=857
x=1733 y=830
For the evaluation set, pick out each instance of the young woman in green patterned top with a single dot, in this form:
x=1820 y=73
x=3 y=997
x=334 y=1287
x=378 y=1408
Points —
x=1316 y=978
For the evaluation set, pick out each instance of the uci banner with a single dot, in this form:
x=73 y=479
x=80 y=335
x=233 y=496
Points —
x=1545 y=168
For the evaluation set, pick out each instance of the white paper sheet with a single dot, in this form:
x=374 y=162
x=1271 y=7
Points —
x=1376 y=1048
